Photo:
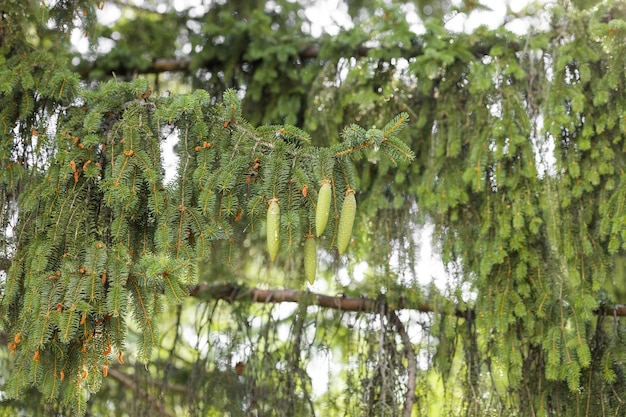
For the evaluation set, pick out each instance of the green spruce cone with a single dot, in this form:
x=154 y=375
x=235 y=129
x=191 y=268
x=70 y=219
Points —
x=346 y=221
x=322 y=210
x=310 y=258
x=273 y=228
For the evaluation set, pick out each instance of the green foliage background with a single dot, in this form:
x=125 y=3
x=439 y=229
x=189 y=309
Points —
x=509 y=146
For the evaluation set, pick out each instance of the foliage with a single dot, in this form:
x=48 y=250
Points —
x=516 y=143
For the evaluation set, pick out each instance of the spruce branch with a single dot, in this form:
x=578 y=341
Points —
x=236 y=292
x=307 y=53
x=231 y=293
x=354 y=149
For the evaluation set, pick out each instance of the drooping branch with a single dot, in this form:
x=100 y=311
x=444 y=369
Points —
x=411 y=363
x=307 y=53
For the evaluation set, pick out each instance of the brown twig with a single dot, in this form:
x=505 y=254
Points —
x=354 y=149
x=125 y=380
x=235 y=292
x=411 y=362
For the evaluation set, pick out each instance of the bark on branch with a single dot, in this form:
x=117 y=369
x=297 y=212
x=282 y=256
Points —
x=236 y=292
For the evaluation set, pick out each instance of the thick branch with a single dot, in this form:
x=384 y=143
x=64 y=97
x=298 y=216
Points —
x=235 y=292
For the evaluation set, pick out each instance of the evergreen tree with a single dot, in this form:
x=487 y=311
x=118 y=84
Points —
x=304 y=157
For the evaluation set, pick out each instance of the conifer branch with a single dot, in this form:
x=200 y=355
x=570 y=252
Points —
x=309 y=52
x=354 y=149
x=236 y=292
x=408 y=156
x=161 y=65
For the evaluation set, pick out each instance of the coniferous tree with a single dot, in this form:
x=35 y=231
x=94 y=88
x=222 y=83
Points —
x=123 y=289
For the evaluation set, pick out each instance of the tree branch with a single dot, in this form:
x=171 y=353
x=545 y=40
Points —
x=160 y=65
x=307 y=53
x=234 y=292
x=125 y=380
x=411 y=363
